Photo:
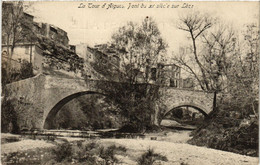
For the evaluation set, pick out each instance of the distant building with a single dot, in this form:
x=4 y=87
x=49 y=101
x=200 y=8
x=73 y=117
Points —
x=105 y=54
x=168 y=75
x=188 y=83
x=105 y=60
x=55 y=33
x=81 y=51
x=28 y=47
x=111 y=53
x=29 y=52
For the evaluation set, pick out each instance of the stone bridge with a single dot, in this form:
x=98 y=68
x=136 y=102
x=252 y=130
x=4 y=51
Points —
x=37 y=100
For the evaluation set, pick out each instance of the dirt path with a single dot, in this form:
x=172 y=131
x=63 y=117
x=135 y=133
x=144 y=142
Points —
x=178 y=153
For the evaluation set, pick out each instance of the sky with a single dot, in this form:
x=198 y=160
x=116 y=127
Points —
x=93 y=24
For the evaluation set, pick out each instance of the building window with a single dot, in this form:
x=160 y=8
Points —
x=27 y=49
x=153 y=74
x=173 y=83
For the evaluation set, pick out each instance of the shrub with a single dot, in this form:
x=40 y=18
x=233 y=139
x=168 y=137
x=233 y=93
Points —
x=182 y=163
x=89 y=154
x=149 y=157
x=91 y=146
x=224 y=132
x=9 y=117
x=108 y=154
x=63 y=152
x=84 y=153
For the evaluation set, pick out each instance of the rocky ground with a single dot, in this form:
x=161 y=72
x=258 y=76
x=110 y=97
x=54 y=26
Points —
x=168 y=143
x=180 y=153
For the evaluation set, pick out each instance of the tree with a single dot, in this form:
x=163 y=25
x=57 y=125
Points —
x=243 y=76
x=196 y=24
x=16 y=28
x=141 y=47
x=211 y=49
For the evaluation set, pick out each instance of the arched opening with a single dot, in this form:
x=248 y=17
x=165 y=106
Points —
x=79 y=110
x=184 y=116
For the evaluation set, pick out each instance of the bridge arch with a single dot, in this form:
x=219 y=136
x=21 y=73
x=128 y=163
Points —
x=199 y=108
x=49 y=119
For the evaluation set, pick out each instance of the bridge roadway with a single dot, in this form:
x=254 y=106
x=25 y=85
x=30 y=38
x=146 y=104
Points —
x=38 y=99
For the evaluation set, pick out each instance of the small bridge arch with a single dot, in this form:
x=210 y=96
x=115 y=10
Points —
x=199 y=108
x=173 y=98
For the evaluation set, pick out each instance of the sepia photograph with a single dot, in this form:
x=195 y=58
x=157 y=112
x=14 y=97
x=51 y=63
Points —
x=130 y=83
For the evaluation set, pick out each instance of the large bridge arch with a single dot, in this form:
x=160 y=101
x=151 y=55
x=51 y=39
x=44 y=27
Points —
x=56 y=107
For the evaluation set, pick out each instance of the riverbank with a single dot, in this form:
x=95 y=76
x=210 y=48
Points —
x=172 y=144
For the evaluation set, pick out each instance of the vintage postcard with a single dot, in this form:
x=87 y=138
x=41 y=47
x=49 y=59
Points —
x=146 y=83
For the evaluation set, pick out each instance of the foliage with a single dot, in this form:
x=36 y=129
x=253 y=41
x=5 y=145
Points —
x=87 y=153
x=8 y=116
x=63 y=152
x=195 y=24
x=21 y=107
x=17 y=27
x=108 y=154
x=95 y=113
x=10 y=109
x=225 y=130
x=24 y=72
x=229 y=67
x=141 y=47
x=36 y=156
x=136 y=102
x=208 y=60
x=221 y=65
x=243 y=78
x=149 y=157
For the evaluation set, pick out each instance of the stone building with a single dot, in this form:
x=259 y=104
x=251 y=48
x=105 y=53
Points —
x=168 y=75
x=109 y=53
x=28 y=46
x=104 y=54
x=105 y=60
x=29 y=52
x=53 y=32
x=82 y=51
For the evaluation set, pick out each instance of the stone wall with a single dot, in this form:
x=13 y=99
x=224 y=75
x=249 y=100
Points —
x=26 y=97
